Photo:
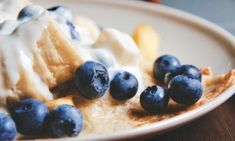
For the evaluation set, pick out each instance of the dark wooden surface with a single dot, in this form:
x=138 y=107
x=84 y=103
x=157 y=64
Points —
x=218 y=125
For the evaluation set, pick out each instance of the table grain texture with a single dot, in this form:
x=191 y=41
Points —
x=219 y=124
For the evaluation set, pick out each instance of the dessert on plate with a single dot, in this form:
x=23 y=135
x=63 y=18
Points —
x=66 y=76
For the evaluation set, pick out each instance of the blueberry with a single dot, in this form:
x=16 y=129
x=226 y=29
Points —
x=185 y=90
x=187 y=70
x=123 y=86
x=65 y=121
x=92 y=80
x=73 y=32
x=154 y=99
x=29 y=115
x=54 y=8
x=30 y=12
x=61 y=13
x=7 y=128
x=63 y=16
x=163 y=65
x=100 y=27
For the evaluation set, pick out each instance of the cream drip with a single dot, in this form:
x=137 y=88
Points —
x=118 y=52
x=18 y=47
x=9 y=9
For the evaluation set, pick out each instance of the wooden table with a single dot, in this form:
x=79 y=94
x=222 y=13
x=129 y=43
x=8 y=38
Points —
x=219 y=124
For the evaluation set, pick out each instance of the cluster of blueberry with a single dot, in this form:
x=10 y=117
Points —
x=32 y=118
x=180 y=82
x=92 y=81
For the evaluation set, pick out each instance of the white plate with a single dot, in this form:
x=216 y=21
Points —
x=192 y=39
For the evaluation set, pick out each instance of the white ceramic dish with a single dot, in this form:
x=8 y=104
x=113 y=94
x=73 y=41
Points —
x=192 y=39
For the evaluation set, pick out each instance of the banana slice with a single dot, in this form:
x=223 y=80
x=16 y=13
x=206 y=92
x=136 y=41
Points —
x=64 y=100
x=148 y=42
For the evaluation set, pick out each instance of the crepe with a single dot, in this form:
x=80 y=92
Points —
x=46 y=59
x=106 y=115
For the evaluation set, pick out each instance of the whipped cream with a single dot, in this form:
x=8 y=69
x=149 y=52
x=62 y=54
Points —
x=8 y=26
x=32 y=12
x=84 y=32
x=88 y=30
x=120 y=45
x=116 y=50
x=4 y=16
x=63 y=17
x=9 y=9
x=18 y=46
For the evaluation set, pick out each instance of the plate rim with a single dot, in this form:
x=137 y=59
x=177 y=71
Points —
x=181 y=119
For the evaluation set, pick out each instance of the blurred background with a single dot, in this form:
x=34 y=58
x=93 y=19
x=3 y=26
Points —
x=221 y=12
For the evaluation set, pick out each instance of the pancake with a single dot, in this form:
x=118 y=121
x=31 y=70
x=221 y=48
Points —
x=46 y=59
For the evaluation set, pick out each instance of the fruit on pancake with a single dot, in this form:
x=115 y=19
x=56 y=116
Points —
x=64 y=121
x=123 y=86
x=60 y=13
x=190 y=71
x=73 y=32
x=185 y=90
x=183 y=82
x=92 y=80
x=154 y=99
x=163 y=65
x=147 y=40
x=29 y=115
x=53 y=59
x=30 y=12
x=7 y=128
x=64 y=17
